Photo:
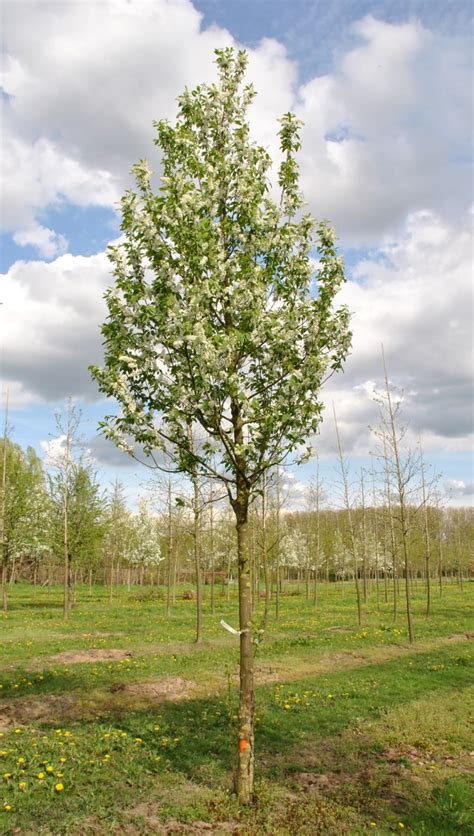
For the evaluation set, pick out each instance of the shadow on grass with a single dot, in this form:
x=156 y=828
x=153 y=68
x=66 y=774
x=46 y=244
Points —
x=200 y=732
x=31 y=603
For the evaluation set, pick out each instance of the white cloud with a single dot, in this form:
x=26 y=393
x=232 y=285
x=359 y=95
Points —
x=456 y=488
x=48 y=242
x=39 y=175
x=414 y=296
x=18 y=396
x=85 y=81
x=50 y=320
x=387 y=132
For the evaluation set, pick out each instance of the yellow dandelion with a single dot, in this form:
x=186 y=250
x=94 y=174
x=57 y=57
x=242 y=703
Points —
x=59 y=787
x=7 y=807
x=22 y=785
x=41 y=776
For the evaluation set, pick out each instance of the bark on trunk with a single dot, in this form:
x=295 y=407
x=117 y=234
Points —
x=247 y=694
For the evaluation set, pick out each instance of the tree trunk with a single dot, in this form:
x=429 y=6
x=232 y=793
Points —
x=4 y=587
x=247 y=693
x=211 y=548
x=277 y=546
x=3 y=509
x=266 y=574
x=111 y=586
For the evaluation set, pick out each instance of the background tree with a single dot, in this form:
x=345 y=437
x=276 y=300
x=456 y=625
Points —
x=61 y=453
x=143 y=548
x=219 y=318
x=85 y=521
x=25 y=511
x=401 y=467
x=354 y=550
x=116 y=530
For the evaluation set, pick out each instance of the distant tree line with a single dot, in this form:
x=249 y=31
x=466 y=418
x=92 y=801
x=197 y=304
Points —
x=109 y=544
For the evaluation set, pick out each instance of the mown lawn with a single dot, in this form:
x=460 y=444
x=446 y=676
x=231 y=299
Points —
x=133 y=730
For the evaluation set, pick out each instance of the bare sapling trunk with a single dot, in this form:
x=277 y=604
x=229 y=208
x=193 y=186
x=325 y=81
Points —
x=277 y=548
x=440 y=555
x=111 y=580
x=426 y=532
x=67 y=580
x=4 y=587
x=403 y=511
x=266 y=575
x=376 y=541
x=307 y=571
x=169 y=547
x=247 y=694
x=393 y=542
x=211 y=556
x=364 y=537
x=318 y=538
x=347 y=504
x=3 y=510
x=196 y=507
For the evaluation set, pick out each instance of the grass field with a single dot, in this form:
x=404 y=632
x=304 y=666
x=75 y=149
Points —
x=118 y=723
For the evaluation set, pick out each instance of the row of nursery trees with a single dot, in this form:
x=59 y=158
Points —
x=59 y=525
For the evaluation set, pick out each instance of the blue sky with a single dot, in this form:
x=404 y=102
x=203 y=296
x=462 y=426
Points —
x=384 y=91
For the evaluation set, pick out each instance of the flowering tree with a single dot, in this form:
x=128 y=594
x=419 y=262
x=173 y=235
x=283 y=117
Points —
x=116 y=530
x=25 y=512
x=219 y=319
x=143 y=546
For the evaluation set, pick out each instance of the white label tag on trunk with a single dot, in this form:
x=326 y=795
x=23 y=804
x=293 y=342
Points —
x=229 y=628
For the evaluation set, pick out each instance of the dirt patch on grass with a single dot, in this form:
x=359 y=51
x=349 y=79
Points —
x=147 y=815
x=56 y=708
x=97 y=654
x=45 y=709
x=97 y=634
x=170 y=688
x=266 y=674
x=314 y=782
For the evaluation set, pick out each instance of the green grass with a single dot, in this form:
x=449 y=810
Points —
x=356 y=731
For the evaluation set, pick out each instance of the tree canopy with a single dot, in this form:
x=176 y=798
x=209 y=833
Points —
x=222 y=307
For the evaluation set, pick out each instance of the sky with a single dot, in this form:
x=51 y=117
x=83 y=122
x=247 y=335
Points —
x=384 y=89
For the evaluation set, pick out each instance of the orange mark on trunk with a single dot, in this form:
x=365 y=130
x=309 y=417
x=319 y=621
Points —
x=243 y=745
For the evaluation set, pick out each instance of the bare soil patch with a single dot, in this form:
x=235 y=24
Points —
x=147 y=815
x=44 y=709
x=55 y=708
x=266 y=674
x=95 y=654
x=170 y=688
